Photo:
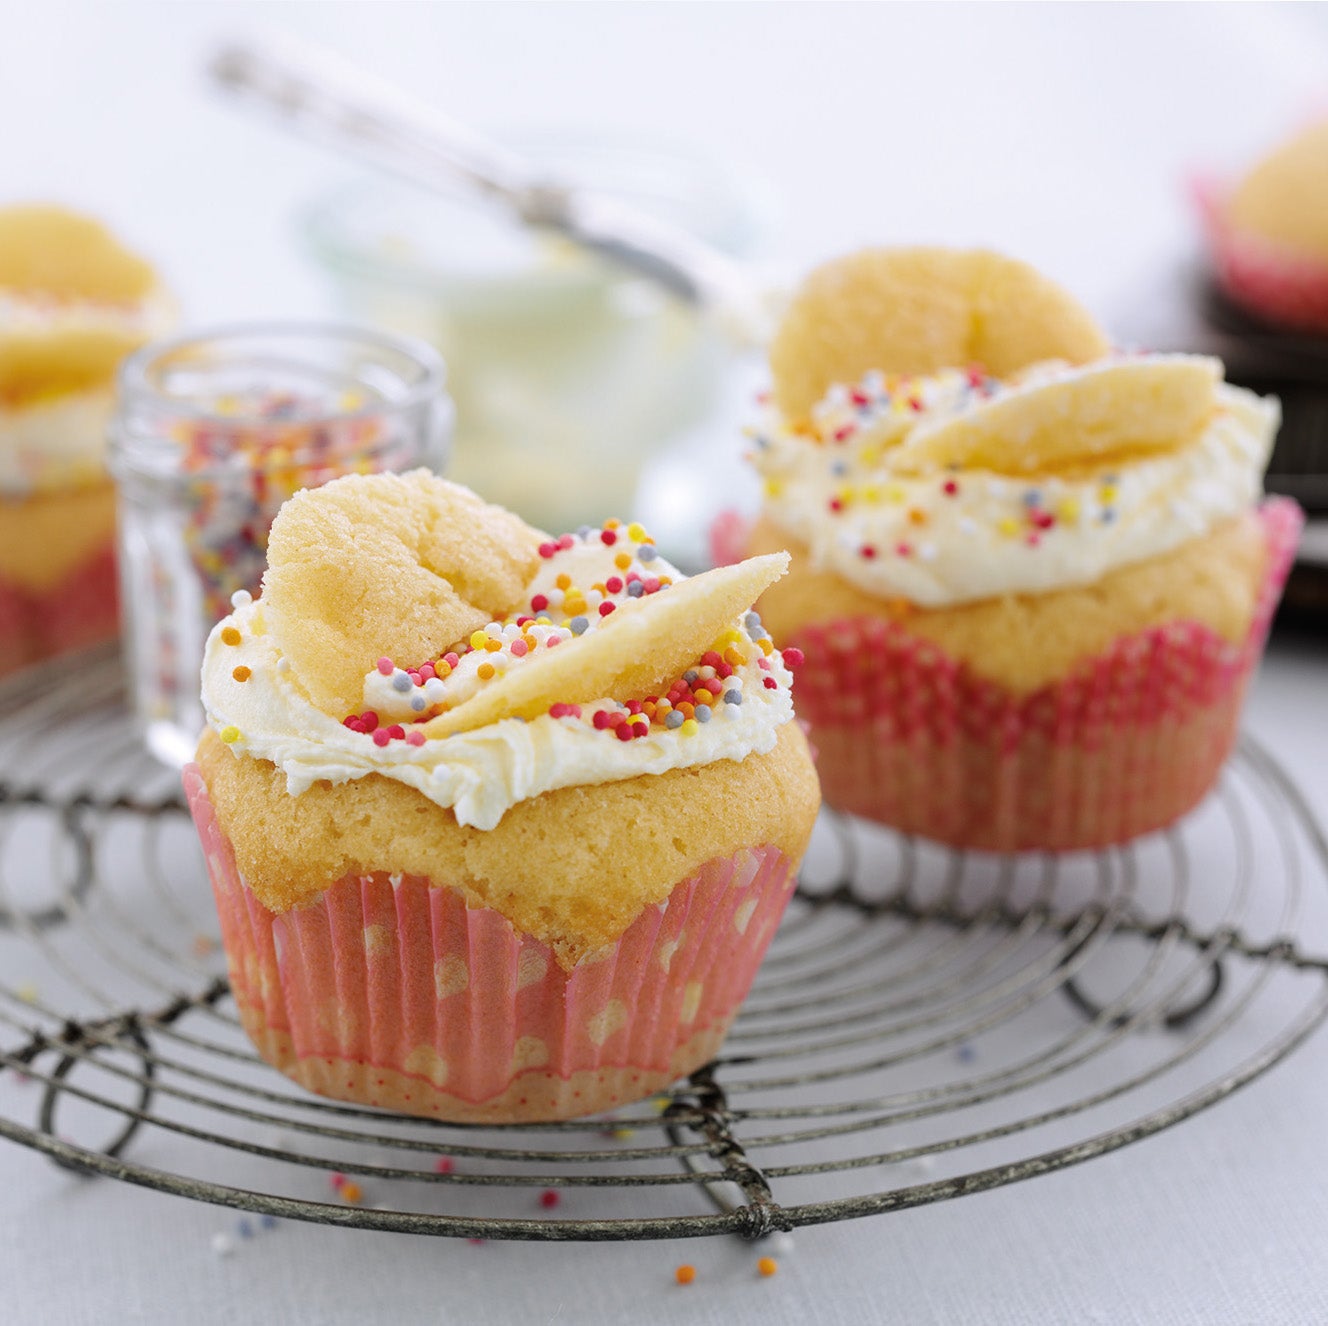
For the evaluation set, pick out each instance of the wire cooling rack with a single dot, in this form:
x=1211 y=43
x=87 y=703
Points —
x=927 y=1024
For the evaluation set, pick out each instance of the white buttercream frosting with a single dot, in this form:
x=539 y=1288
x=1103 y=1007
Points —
x=970 y=534
x=55 y=443
x=255 y=703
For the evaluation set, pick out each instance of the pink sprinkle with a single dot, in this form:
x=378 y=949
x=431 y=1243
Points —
x=546 y=550
x=444 y=1165
x=396 y=732
x=652 y=584
x=426 y=672
x=381 y=737
x=539 y=603
x=770 y=683
x=451 y=660
x=553 y=640
x=385 y=665
x=867 y=552
x=793 y=658
x=520 y=649
x=950 y=488
x=415 y=737
x=624 y=731
x=566 y=542
x=337 y=1178
x=606 y=607
x=549 y=1199
x=1033 y=539
x=608 y=538
x=601 y=719
x=841 y=434
x=614 y=584
x=370 y=719
x=763 y=663
x=1042 y=519
x=904 y=549
x=414 y=676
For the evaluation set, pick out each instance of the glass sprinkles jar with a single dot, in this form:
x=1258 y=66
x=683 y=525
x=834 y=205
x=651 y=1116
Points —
x=213 y=432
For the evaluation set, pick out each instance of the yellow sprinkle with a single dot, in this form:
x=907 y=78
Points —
x=230 y=636
x=350 y=401
x=479 y=639
x=895 y=493
x=230 y=735
x=600 y=587
x=690 y=727
x=241 y=673
x=1067 y=510
x=766 y=647
x=637 y=533
x=666 y=580
x=28 y=993
x=1107 y=494
x=871 y=494
x=486 y=671
x=1008 y=526
x=774 y=487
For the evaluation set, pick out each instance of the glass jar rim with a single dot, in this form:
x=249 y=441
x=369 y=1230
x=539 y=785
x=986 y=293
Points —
x=135 y=384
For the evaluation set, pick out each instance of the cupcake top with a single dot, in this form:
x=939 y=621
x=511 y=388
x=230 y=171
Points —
x=947 y=427
x=1284 y=199
x=409 y=630
x=73 y=303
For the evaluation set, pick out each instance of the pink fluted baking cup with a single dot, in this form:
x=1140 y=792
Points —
x=1127 y=743
x=1277 y=284
x=80 y=611
x=391 y=991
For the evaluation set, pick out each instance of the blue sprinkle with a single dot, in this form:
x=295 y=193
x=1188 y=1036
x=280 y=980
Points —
x=635 y=589
x=268 y=1221
x=966 y=1053
x=401 y=682
x=673 y=718
x=1111 y=478
x=690 y=676
x=703 y=713
x=243 y=1228
x=1033 y=497
x=585 y=531
x=732 y=697
x=646 y=553
x=762 y=443
x=1108 y=515
x=418 y=703
x=839 y=468
x=752 y=621
x=578 y=625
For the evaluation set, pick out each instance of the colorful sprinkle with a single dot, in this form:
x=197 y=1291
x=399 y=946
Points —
x=229 y=734
x=230 y=636
x=685 y=1274
x=767 y=1266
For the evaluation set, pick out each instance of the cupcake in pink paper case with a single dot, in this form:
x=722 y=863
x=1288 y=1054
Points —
x=73 y=303
x=1268 y=234
x=499 y=825
x=1031 y=578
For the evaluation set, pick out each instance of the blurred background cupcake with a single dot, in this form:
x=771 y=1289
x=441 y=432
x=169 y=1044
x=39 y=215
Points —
x=1031 y=578
x=73 y=303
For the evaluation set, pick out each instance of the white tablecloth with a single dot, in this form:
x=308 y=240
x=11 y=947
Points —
x=1058 y=133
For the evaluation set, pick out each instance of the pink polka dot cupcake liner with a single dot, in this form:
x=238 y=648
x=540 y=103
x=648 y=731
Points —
x=390 y=990
x=75 y=613
x=1127 y=743
x=1276 y=285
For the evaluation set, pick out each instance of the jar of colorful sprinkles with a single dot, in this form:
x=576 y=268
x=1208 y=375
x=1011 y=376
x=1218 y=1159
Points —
x=213 y=432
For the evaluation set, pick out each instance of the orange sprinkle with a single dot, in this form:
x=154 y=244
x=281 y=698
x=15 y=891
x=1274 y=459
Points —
x=666 y=580
x=623 y=561
x=612 y=523
x=242 y=673
x=734 y=657
x=917 y=516
x=564 y=581
x=485 y=671
x=685 y=1274
x=352 y=1193
x=492 y=645
x=767 y=1266
x=687 y=709
x=230 y=636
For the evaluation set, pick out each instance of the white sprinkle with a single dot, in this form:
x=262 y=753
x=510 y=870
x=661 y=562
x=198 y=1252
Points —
x=966 y=525
x=927 y=551
x=242 y=598
x=283 y=664
x=223 y=1245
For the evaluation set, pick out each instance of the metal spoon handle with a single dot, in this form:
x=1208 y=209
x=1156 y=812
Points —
x=324 y=96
